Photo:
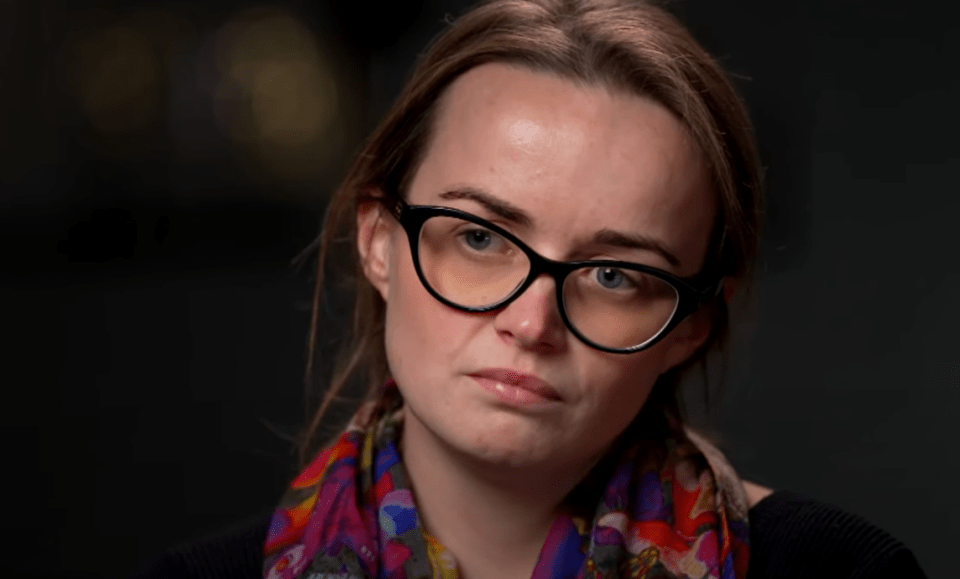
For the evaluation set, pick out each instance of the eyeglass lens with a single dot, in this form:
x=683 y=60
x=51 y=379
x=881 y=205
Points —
x=473 y=267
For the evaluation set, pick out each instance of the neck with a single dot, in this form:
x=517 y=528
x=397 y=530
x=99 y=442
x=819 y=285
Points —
x=493 y=519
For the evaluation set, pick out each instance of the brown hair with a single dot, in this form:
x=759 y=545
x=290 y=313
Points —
x=629 y=45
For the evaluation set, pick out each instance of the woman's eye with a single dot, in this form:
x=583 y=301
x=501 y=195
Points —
x=478 y=238
x=610 y=278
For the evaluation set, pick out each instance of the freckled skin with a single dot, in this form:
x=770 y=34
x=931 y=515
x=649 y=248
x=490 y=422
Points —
x=577 y=159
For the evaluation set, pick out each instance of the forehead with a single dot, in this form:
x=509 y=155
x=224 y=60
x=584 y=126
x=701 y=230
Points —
x=578 y=158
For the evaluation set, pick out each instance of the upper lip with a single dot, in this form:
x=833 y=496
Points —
x=520 y=380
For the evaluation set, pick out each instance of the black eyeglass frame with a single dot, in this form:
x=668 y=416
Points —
x=690 y=296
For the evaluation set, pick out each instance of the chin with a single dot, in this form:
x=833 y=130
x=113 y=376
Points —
x=499 y=437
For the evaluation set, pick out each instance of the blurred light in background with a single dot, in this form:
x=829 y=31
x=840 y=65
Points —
x=251 y=100
x=117 y=67
x=118 y=77
x=276 y=94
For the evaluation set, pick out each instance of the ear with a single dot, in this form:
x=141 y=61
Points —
x=374 y=243
x=687 y=337
x=694 y=331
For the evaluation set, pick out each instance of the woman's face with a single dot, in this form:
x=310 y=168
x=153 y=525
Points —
x=576 y=161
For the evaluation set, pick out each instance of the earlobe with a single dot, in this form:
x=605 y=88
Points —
x=374 y=244
x=694 y=331
x=687 y=338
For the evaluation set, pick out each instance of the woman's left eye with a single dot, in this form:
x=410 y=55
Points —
x=482 y=240
x=478 y=238
x=610 y=277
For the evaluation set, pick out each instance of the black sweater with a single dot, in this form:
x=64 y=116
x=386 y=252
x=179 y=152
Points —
x=790 y=537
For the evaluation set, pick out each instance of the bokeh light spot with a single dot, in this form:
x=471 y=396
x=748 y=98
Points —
x=276 y=93
x=117 y=78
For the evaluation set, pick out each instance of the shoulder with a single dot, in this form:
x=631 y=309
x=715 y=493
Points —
x=795 y=536
x=755 y=493
x=234 y=552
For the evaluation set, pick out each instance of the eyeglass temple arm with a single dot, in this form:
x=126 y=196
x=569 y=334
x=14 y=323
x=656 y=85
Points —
x=711 y=293
x=397 y=208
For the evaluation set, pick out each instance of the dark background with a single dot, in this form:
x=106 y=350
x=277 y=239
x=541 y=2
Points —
x=161 y=164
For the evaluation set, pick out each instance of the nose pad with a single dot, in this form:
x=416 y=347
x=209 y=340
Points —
x=533 y=318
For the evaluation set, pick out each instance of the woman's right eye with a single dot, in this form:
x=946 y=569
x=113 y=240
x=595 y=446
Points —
x=478 y=239
x=611 y=278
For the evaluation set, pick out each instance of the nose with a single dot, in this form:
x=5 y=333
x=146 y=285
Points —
x=532 y=321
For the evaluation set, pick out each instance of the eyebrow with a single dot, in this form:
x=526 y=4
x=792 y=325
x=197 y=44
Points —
x=634 y=241
x=518 y=216
x=496 y=206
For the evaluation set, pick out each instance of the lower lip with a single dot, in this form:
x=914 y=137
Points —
x=512 y=394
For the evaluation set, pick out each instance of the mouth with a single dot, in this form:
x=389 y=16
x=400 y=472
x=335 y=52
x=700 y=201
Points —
x=516 y=387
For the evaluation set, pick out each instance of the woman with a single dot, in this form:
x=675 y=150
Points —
x=549 y=226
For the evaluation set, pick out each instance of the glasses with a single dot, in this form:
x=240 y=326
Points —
x=473 y=265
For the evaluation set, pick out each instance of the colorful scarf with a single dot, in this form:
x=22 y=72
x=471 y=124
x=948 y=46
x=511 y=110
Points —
x=350 y=514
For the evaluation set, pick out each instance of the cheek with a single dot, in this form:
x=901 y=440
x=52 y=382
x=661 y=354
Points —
x=420 y=331
x=406 y=329
x=620 y=386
